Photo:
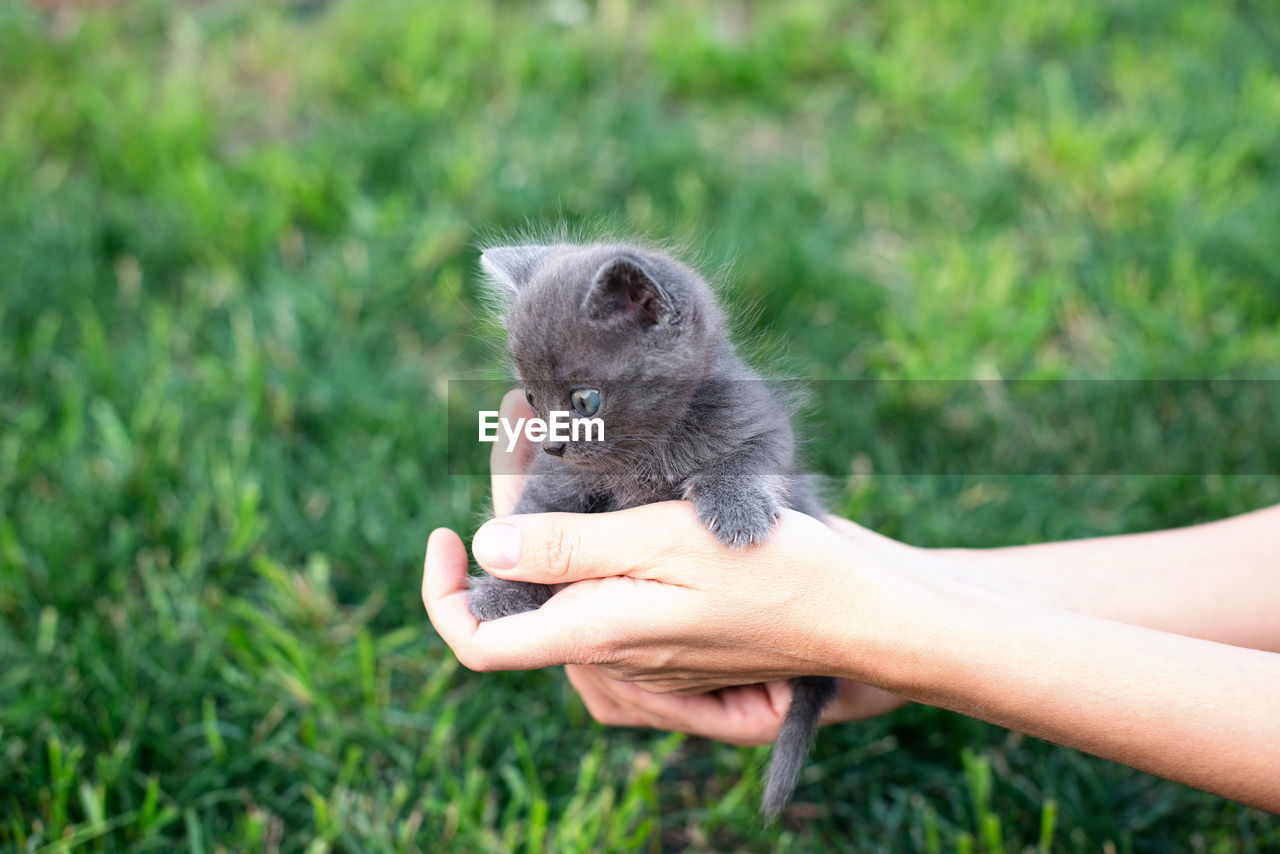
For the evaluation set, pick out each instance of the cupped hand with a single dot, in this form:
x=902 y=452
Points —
x=652 y=597
x=659 y=626
x=738 y=714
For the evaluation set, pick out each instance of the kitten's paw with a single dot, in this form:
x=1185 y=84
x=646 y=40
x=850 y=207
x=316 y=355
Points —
x=738 y=516
x=493 y=598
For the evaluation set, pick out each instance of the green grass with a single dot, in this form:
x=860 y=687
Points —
x=237 y=273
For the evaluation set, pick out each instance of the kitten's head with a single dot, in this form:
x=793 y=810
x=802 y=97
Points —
x=611 y=331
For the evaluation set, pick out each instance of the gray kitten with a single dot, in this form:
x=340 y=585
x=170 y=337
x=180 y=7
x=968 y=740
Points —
x=631 y=336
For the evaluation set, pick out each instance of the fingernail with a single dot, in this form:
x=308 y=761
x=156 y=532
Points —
x=496 y=545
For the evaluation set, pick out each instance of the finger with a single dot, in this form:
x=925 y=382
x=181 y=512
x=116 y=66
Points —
x=779 y=695
x=556 y=548
x=591 y=687
x=842 y=525
x=521 y=642
x=856 y=701
x=444 y=590
x=601 y=695
x=744 y=715
x=865 y=537
x=531 y=641
x=507 y=468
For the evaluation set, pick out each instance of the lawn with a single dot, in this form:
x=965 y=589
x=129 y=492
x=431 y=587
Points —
x=238 y=275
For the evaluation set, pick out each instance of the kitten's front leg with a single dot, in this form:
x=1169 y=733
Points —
x=493 y=598
x=740 y=509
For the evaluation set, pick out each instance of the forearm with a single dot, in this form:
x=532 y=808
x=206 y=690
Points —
x=1202 y=713
x=1217 y=581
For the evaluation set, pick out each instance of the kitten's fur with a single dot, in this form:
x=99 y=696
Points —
x=684 y=419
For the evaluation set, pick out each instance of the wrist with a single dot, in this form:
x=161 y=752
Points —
x=869 y=607
x=901 y=617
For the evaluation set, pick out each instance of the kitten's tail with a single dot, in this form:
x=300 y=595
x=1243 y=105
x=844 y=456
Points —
x=809 y=696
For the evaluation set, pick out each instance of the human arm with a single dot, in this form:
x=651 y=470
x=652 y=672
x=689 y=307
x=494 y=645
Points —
x=1203 y=713
x=1203 y=581
x=1217 y=581
x=674 y=611
x=738 y=714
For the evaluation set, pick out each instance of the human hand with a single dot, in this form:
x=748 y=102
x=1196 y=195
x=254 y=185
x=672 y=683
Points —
x=738 y=714
x=743 y=714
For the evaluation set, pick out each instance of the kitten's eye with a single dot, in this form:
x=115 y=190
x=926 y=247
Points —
x=528 y=395
x=586 y=401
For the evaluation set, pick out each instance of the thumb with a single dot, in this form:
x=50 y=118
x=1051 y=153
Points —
x=508 y=468
x=558 y=548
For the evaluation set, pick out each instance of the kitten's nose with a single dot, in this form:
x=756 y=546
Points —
x=556 y=450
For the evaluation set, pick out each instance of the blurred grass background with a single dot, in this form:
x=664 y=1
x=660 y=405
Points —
x=237 y=270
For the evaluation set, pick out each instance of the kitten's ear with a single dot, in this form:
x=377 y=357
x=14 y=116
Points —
x=513 y=266
x=624 y=289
